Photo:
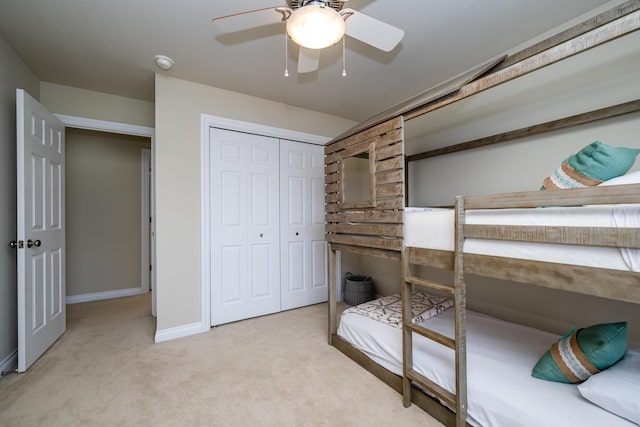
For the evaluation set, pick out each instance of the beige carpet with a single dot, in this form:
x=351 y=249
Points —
x=271 y=371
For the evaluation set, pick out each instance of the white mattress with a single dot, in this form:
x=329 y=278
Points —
x=500 y=356
x=434 y=229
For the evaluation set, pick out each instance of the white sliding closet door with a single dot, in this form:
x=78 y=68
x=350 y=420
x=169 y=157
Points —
x=302 y=245
x=245 y=255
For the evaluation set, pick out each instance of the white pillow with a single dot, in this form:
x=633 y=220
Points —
x=630 y=178
x=617 y=389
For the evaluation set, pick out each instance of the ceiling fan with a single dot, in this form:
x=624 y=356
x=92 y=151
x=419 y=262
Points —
x=314 y=25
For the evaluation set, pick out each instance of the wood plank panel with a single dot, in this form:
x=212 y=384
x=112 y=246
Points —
x=376 y=253
x=375 y=131
x=392 y=203
x=583 y=236
x=368 y=216
x=433 y=387
x=392 y=244
x=390 y=164
x=430 y=284
x=389 y=190
x=394 y=230
x=332 y=158
x=389 y=177
x=334 y=187
x=614 y=194
x=393 y=150
x=332 y=198
x=331 y=168
x=359 y=148
x=391 y=137
x=612 y=284
x=331 y=178
x=431 y=257
x=332 y=207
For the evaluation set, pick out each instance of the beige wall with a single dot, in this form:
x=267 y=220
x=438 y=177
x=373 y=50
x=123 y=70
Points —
x=72 y=101
x=179 y=105
x=103 y=211
x=13 y=74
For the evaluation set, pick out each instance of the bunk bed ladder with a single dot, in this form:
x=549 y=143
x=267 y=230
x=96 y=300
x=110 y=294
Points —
x=456 y=400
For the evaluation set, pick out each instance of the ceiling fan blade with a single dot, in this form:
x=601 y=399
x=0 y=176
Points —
x=251 y=19
x=371 y=31
x=308 y=60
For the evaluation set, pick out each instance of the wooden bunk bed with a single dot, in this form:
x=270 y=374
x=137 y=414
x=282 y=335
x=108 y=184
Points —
x=373 y=223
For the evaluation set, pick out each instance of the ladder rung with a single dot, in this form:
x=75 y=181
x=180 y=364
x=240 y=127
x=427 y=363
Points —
x=426 y=383
x=430 y=284
x=435 y=336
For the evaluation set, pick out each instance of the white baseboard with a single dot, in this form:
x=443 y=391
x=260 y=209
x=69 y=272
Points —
x=9 y=363
x=180 y=332
x=96 y=296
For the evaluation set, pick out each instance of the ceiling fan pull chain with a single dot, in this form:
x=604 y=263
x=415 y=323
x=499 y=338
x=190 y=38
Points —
x=344 y=58
x=286 y=54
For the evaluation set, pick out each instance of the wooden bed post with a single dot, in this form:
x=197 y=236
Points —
x=407 y=337
x=333 y=329
x=460 y=307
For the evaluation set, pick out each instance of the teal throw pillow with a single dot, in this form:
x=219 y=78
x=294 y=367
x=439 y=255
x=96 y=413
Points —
x=590 y=166
x=602 y=162
x=583 y=353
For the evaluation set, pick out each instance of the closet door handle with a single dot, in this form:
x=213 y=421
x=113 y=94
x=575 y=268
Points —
x=261 y=234
x=297 y=234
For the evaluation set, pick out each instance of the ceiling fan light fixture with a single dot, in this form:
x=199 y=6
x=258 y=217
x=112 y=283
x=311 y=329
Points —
x=315 y=26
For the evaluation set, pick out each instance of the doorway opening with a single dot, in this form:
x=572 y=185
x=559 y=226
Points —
x=107 y=215
x=135 y=145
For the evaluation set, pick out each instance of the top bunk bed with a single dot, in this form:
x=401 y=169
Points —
x=585 y=238
x=367 y=180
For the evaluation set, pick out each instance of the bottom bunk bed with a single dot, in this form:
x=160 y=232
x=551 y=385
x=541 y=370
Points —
x=500 y=356
x=483 y=370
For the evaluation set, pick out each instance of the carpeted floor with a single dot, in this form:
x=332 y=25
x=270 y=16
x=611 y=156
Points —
x=275 y=370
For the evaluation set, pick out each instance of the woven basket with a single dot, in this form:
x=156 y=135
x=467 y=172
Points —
x=358 y=289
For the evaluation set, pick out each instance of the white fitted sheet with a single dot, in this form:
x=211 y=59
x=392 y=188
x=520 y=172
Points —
x=433 y=228
x=500 y=356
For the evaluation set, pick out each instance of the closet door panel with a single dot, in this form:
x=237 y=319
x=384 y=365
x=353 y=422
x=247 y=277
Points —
x=231 y=257
x=245 y=254
x=295 y=266
x=301 y=214
x=318 y=252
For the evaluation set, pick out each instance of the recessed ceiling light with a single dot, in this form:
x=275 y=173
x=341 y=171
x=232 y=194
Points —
x=164 y=62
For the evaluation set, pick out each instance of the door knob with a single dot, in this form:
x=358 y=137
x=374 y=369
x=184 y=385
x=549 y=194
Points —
x=35 y=243
x=13 y=244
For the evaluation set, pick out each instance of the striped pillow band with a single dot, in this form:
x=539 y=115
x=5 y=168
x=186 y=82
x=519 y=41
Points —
x=567 y=177
x=571 y=360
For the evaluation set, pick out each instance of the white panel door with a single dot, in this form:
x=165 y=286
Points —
x=245 y=256
x=40 y=223
x=302 y=244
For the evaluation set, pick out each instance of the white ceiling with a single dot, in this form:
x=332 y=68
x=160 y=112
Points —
x=109 y=46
